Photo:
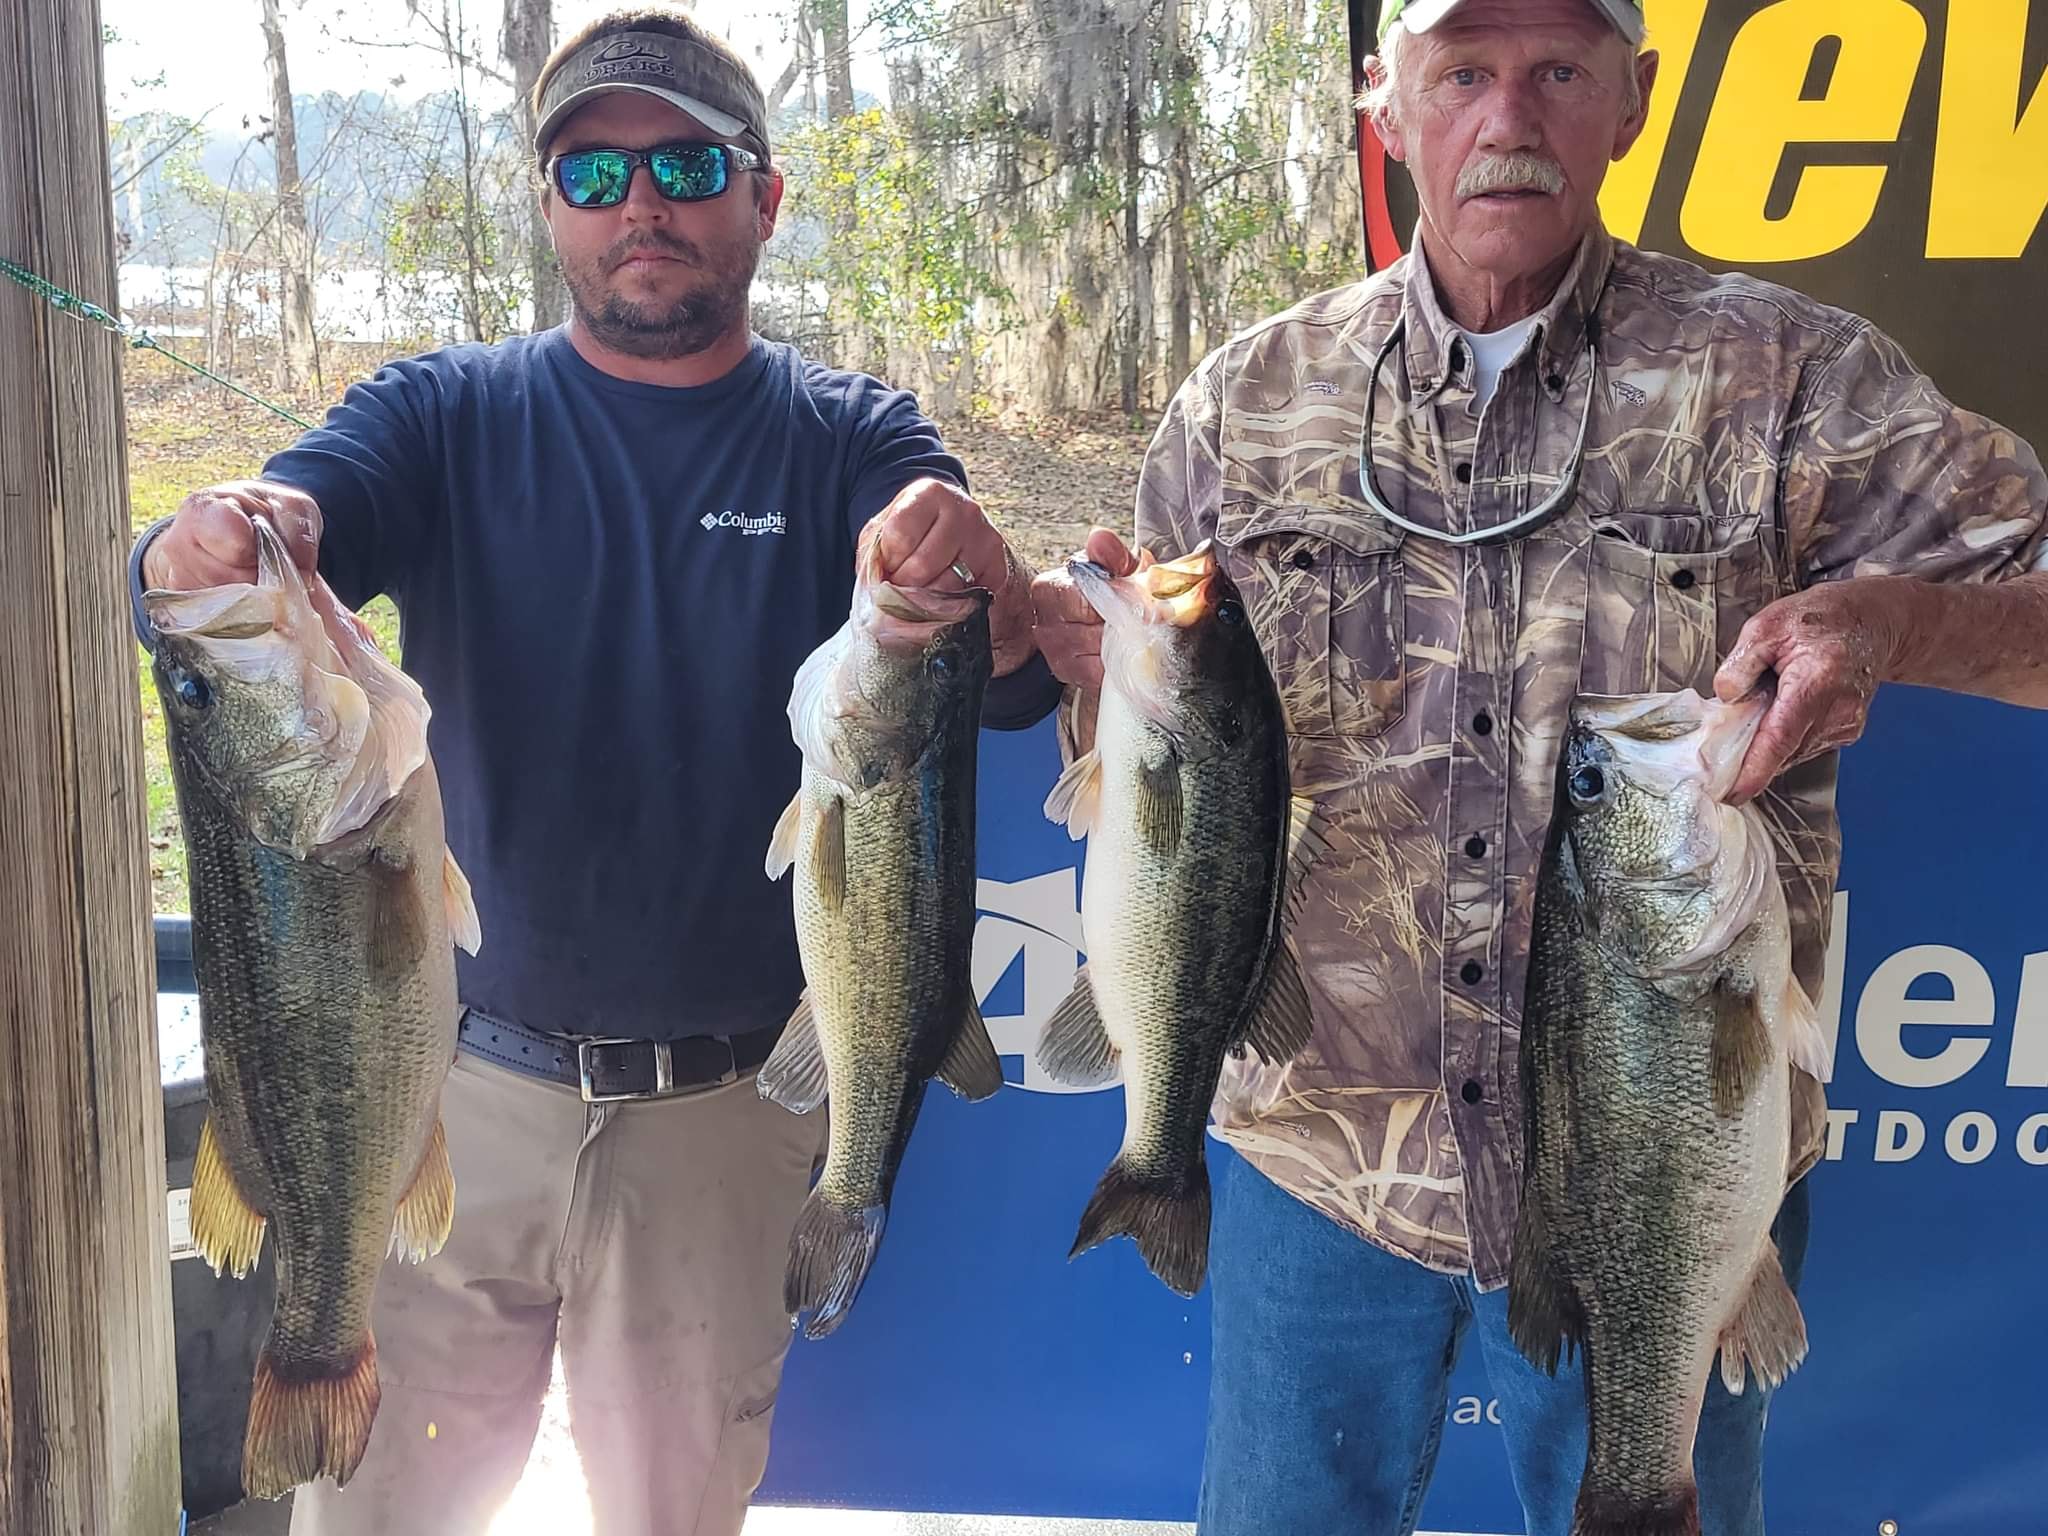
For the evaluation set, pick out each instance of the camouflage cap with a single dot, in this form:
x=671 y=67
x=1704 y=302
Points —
x=1421 y=15
x=699 y=76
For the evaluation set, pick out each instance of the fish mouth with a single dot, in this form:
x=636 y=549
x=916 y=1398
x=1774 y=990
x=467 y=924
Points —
x=904 y=620
x=1172 y=592
x=1706 y=736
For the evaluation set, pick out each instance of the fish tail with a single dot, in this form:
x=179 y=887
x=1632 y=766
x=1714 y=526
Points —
x=830 y=1253
x=1166 y=1214
x=305 y=1427
x=1613 y=1514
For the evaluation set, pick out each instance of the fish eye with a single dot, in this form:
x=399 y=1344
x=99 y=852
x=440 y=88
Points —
x=939 y=664
x=1588 y=785
x=1230 y=611
x=192 y=690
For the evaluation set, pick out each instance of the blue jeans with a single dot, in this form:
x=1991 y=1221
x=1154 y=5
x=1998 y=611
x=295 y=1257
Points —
x=1331 y=1381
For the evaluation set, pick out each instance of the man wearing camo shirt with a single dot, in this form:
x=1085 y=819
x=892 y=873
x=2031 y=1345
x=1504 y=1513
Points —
x=1592 y=470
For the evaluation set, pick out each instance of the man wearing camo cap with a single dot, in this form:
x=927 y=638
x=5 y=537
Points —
x=1592 y=470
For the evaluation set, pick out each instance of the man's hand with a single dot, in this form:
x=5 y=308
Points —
x=1830 y=647
x=1069 y=628
x=929 y=529
x=212 y=543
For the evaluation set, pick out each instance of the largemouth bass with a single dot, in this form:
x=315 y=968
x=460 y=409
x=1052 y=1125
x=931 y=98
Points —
x=1662 y=1018
x=325 y=907
x=881 y=835
x=1191 y=825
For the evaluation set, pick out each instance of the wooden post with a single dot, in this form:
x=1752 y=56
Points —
x=88 y=1395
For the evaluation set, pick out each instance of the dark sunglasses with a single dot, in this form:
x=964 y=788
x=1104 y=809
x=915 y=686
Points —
x=683 y=173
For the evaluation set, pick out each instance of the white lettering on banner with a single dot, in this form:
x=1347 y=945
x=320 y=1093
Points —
x=1900 y=1135
x=1885 y=1011
x=1039 y=918
x=2027 y=1067
x=1470 y=1410
x=1839 y=1121
x=1971 y=1136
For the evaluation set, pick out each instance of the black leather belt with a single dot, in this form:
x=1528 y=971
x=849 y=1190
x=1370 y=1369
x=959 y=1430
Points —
x=605 y=1071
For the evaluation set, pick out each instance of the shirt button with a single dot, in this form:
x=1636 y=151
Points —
x=1303 y=560
x=1475 y=847
x=1683 y=580
x=1483 y=723
x=1555 y=381
x=1471 y=1093
x=1472 y=973
x=1464 y=474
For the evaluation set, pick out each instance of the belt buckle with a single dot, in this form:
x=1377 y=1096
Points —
x=664 y=1071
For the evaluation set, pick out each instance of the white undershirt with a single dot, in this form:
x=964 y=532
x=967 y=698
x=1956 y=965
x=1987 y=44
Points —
x=1491 y=353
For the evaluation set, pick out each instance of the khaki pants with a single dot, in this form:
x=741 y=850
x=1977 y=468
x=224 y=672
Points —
x=648 y=1240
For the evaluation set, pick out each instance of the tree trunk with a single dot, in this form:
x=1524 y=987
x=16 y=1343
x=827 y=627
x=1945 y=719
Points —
x=832 y=23
x=529 y=35
x=1137 y=259
x=1180 y=106
x=299 y=362
x=88 y=1393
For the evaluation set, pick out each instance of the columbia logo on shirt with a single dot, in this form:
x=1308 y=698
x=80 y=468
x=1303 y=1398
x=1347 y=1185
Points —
x=767 y=522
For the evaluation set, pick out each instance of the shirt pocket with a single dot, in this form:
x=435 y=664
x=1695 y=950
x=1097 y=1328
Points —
x=1327 y=592
x=1667 y=594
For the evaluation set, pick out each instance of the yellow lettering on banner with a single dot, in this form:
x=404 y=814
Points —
x=1757 y=113
x=1675 y=34
x=1990 y=163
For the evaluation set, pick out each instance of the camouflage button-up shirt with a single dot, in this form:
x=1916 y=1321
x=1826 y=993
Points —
x=1744 y=442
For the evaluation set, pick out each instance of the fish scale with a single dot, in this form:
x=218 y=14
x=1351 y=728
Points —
x=1191 y=823
x=1659 y=1026
x=881 y=837
x=325 y=909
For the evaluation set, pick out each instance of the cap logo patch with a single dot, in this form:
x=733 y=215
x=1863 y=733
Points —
x=625 y=56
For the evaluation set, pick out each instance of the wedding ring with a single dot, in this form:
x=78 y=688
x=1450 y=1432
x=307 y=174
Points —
x=963 y=573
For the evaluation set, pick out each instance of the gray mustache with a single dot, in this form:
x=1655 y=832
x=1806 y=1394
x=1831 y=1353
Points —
x=1520 y=170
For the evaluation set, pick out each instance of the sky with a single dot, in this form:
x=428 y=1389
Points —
x=206 y=56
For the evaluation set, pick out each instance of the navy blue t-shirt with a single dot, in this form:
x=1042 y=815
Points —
x=605 y=590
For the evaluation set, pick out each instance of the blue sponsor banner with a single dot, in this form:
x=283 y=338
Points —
x=981 y=1371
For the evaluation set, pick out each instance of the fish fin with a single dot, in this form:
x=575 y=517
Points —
x=1542 y=1313
x=1741 y=1050
x=398 y=919
x=1279 y=1027
x=1613 y=1514
x=1168 y=1220
x=971 y=1068
x=1305 y=844
x=794 y=1073
x=1077 y=797
x=226 y=1229
x=830 y=1253
x=304 y=1428
x=1805 y=1042
x=828 y=854
x=1073 y=1047
x=1768 y=1336
x=426 y=1213
x=1159 y=806
x=782 y=845
x=463 y=927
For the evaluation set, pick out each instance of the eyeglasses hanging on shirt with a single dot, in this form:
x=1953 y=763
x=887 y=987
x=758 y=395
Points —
x=1498 y=533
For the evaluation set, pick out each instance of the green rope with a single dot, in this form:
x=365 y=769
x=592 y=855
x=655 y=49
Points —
x=84 y=309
